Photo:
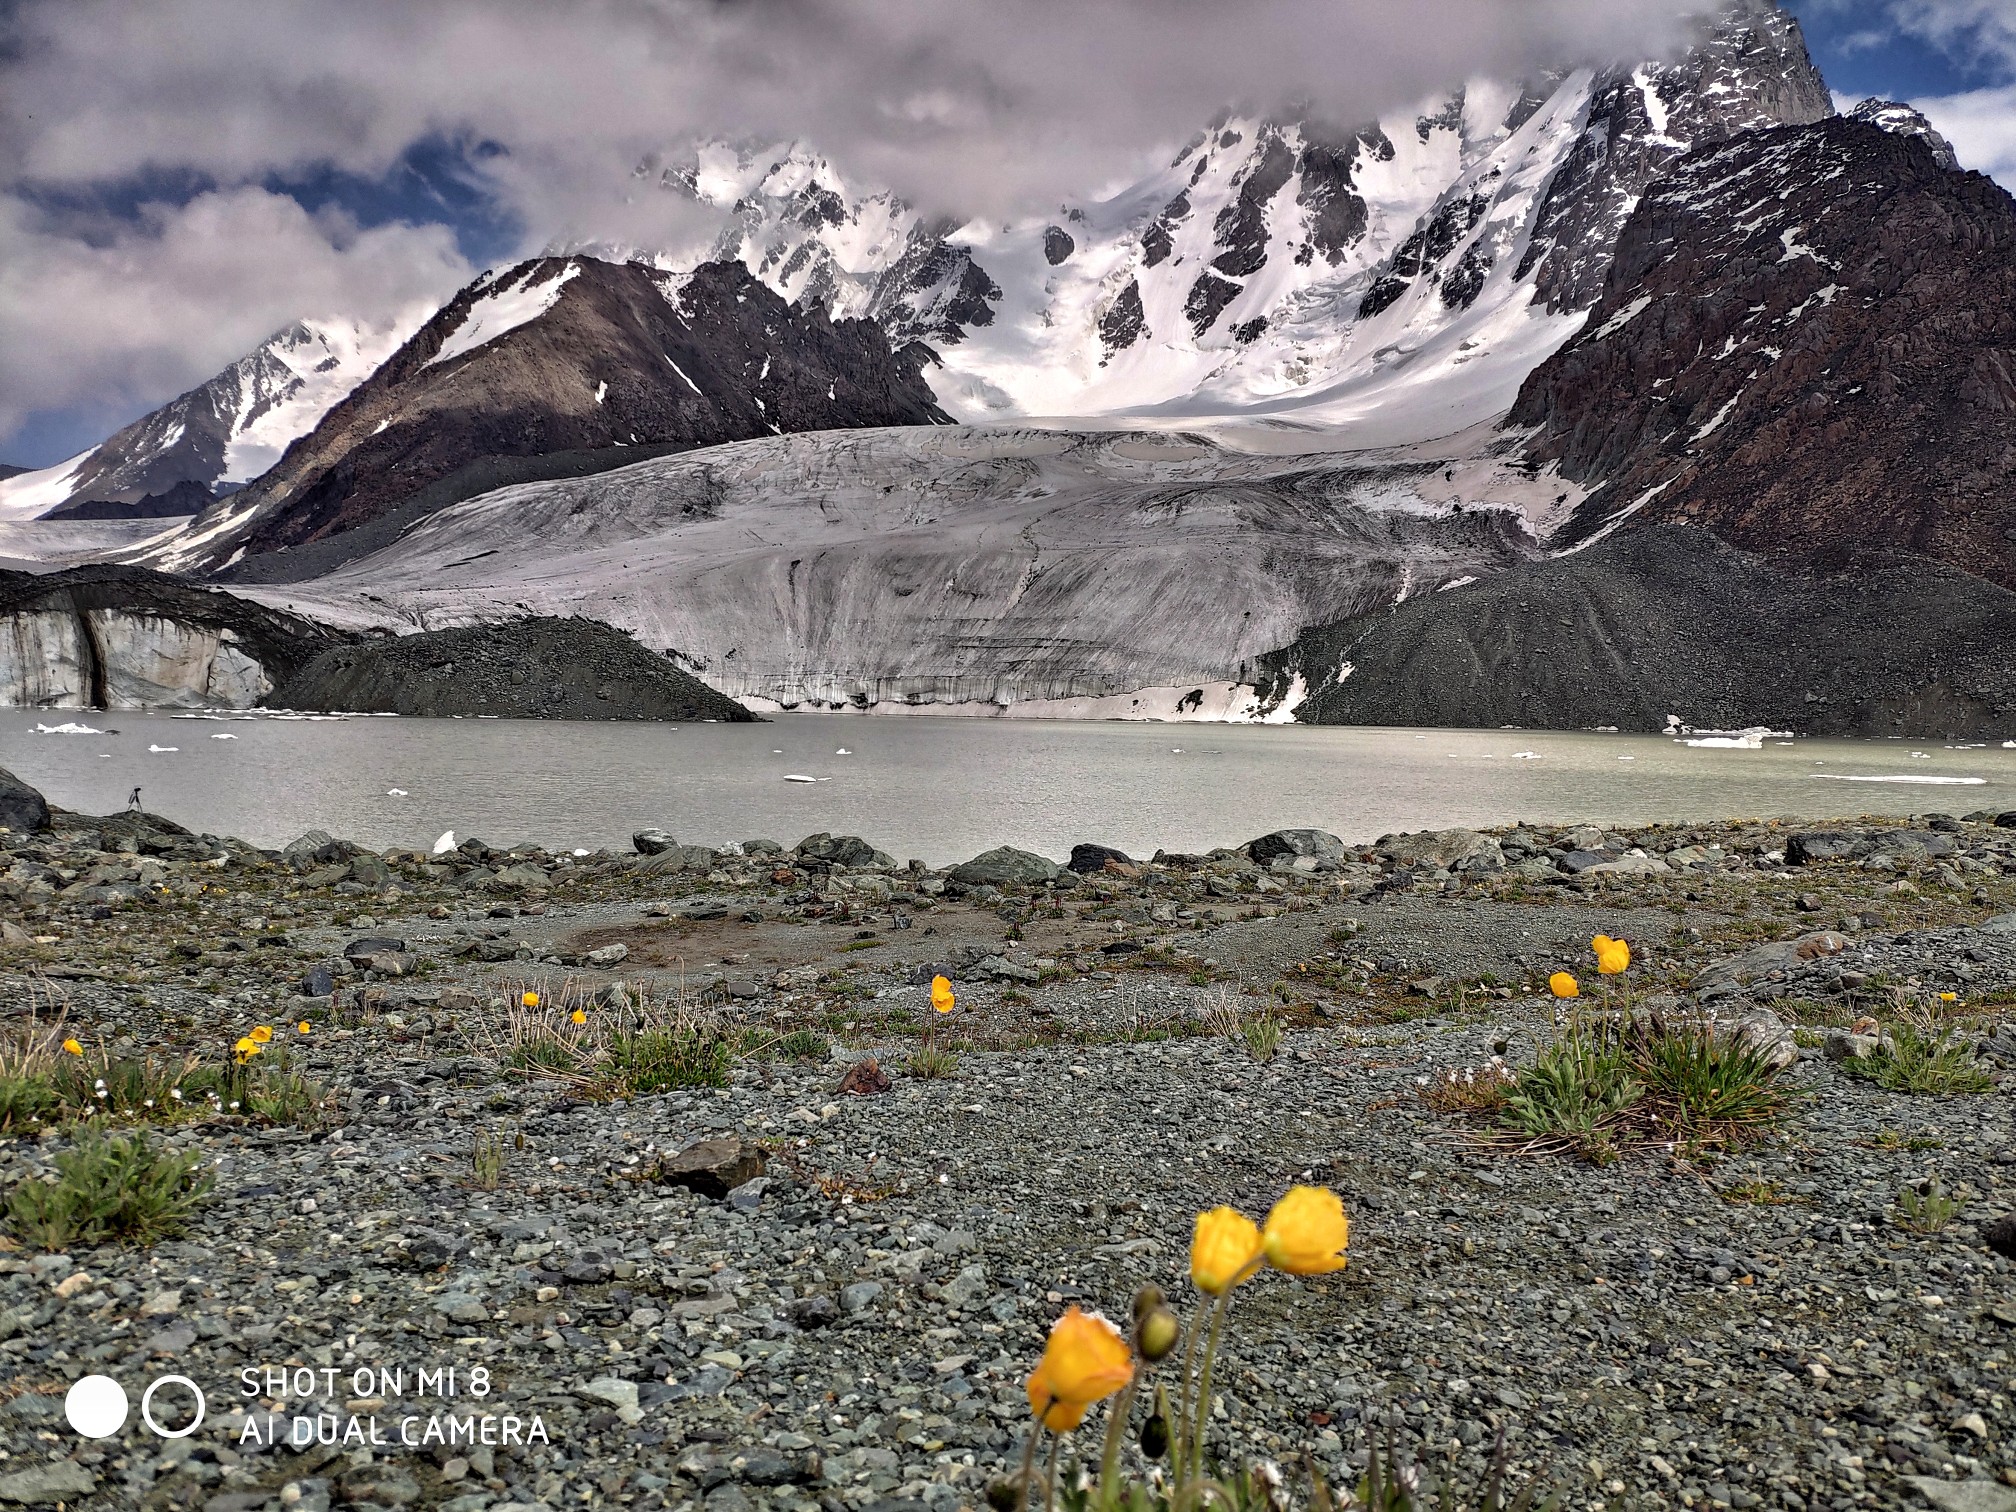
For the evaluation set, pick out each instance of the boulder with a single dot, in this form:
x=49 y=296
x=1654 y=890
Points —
x=373 y=945
x=1295 y=842
x=843 y=850
x=524 y=874
x=713 y=1167
x=1005 y=866
x=22 y=808
x=1841 y=1045
x=2000 y=1234
x=1630 y=864
x=1760 y=1030
x=1088 y=858
x=1448 y=849
x=651 y=842
x=602 y=957
x=47 y=1485
x=305 y=847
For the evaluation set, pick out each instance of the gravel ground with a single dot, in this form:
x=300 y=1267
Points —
x=851 y=1329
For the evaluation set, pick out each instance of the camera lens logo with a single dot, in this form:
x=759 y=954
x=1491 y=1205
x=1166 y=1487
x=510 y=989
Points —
x=97 y=1406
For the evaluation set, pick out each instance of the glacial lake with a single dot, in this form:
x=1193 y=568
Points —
x=944 y=789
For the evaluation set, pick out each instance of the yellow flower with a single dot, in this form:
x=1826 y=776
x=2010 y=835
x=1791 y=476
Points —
x=1949 y=997
x=1307 y=1232
x=71 y=1047
x=1058 y=1415
x=245 y=1049
x=261 y=1035
x=1086 y=1360
x=302 y=1027
x=579 y=1016
x=1224 y=1251
x=941 y=994
x=1612 y=956
x=1562 y=985
x=528 y=1000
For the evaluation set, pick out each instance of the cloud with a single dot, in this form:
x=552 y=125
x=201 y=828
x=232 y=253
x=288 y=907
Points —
x=989 y=107
x=1981 y=125
x=129 y=312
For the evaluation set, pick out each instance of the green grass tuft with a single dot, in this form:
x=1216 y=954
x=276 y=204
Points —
x=109 y=1187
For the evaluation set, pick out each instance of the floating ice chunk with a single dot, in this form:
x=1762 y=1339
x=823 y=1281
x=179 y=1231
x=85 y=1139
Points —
x=67 y=729
x=801 y=777
x=843 y=751
x=582 y=850
x=445 y=844
x=2009 y=745
x=395 y=792
x=1525 y=755
x=1912 y=777
x=223 y=737
x=163 y=750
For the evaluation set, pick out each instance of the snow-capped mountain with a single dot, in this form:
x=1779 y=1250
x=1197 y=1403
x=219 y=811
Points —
x=226 y=431
x=1402 y=275
x=561 y=355
x=1807 y=344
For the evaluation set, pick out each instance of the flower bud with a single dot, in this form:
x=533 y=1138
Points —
x=1147 y=1300
x=1155 y=1437
x=1158 y=1332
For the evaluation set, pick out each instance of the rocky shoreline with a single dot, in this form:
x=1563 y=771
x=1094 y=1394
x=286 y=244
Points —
x=1134 y=1039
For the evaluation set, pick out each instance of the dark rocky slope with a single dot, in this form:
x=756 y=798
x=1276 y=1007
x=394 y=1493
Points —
x=1667 y=621
x=1807 y=344
x=526 y=669
x=618 y=356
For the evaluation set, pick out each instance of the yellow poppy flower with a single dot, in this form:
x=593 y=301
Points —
x=579 y=1016
x=302 y=1027
x=245 y=1049
x=1949 y=997
x=71 y=1047
x=941 y=994
x=1612 y=956
x=1224 y=1250
x=528 y=1000
x=1085 y=1360
x=1058 y=1415
x=1562 y=985
x=261 y=1035
x=1307 y=1232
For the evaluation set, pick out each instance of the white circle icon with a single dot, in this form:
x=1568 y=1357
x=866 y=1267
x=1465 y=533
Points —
x=147 y=1406
x=96 y=1406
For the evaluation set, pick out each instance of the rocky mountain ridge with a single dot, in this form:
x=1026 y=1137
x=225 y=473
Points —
x=559 y=355
x=1806 y=344
x=225 y=431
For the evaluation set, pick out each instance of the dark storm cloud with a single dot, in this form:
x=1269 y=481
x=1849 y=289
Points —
x=978 y=107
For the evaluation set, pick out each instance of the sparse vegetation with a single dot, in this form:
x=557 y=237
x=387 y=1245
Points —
x=1922 y=1061
x=932 y=1063
x=1609 y=1085
x=109 y=1187
x=1926 y=1208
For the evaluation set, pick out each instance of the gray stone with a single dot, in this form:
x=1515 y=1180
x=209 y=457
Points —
x=1005 y=866
x=2000 y=1235
x=460 y=1307
x=713 y=1167
x=1320 y=844
x=843 y=850
x=1088 y=858
x=22 y=808
x=1840 y=1045
x=524 y=874
x=859 y=1296
x=1450 y=849
x=605 y=956
x=306 y=846
x=46 y=1485
x=1964 y=1496
x=619 y=1394
x=652 y=842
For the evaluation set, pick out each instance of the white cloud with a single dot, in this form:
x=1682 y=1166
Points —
x=132 y=313
x=990 y=106
x=1981 y=125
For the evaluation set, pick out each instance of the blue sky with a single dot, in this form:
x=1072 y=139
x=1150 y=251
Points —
x=176 y=203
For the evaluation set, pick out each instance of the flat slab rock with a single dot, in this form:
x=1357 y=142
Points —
x=713 y=1167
